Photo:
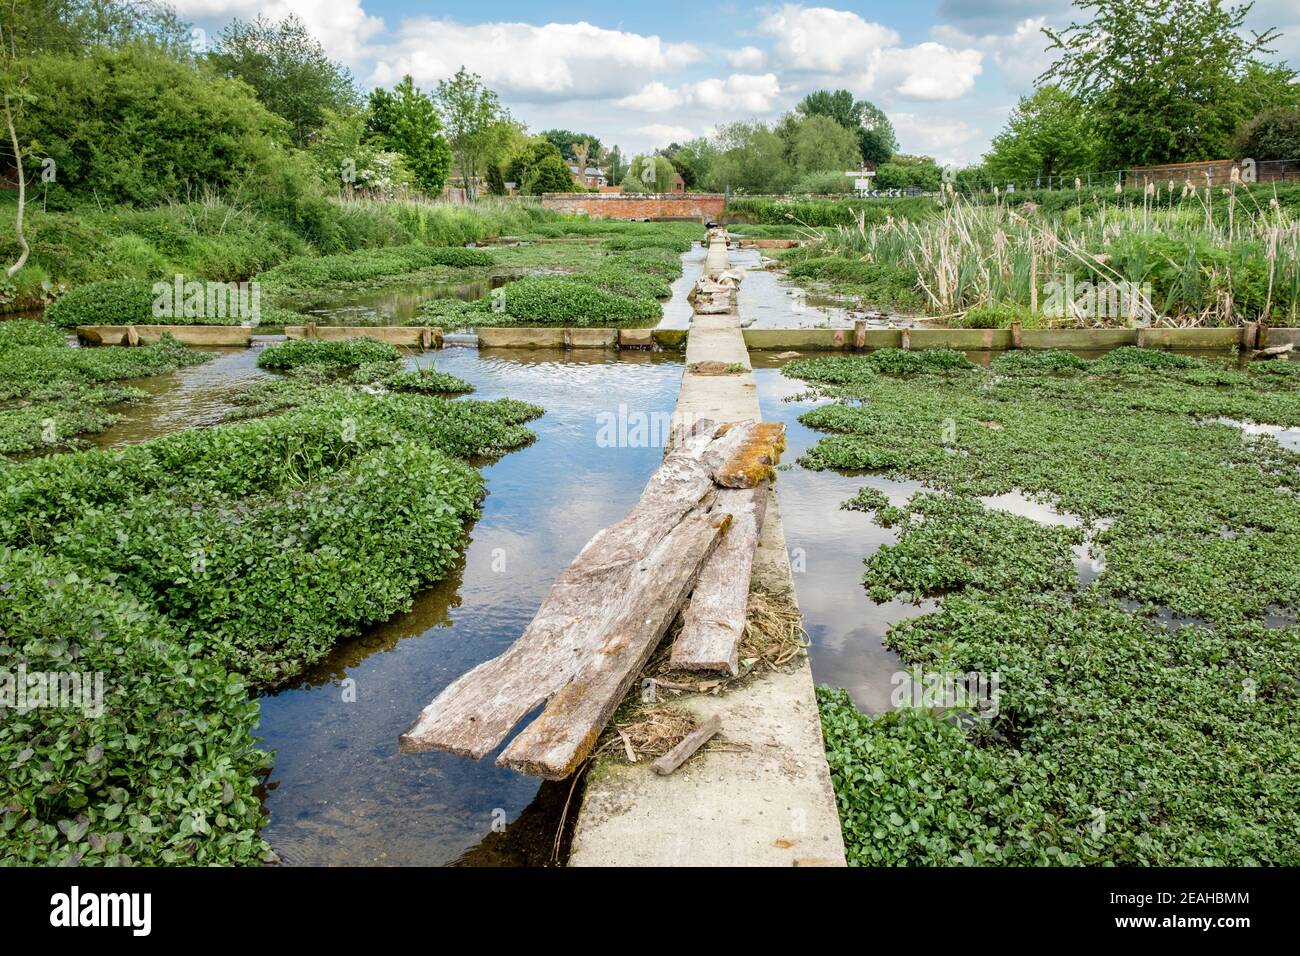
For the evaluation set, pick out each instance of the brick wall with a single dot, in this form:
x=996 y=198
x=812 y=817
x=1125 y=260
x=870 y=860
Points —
x=697 y=206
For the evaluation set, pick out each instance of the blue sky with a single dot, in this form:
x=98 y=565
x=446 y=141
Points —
x=945 y=71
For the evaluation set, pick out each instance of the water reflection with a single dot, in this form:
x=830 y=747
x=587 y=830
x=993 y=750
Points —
x=828 y=547
x=340 y=793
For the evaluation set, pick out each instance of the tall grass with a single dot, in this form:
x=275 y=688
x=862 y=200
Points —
x=1205 y=266
x=224 y=238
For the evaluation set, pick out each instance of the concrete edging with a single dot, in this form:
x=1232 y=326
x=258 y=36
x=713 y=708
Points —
x=197 y=335
x=764 y=799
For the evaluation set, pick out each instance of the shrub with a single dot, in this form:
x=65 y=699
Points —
x=656 y=260
x=24 y=332
x=174 y=128
x=827 y=212
x=166 y=774
x=882 y=285
x=899 y=362
x=664 y=240
x=1274 y=134
x=314 y=352
x=620 y=280
x=1131 y=358
x=57 y=392
x=113 y=302
x=308 y=272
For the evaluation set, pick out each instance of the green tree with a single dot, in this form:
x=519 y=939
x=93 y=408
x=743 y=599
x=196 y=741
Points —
x=288 y=68
x=528 y=155
x=819 y=143
x=351 y=158
x=904 y=171
x=136 y=126
x=649 y=174
x=876 y=138
x=496 y=182
x=80 y=26
x=476 y=123
x=751 y=159
x=550 y=175
x=877 y=141
x=406 y=121
x=564 y=140
x=1162 y=78
x=1271 y=135
x=1049 y=134
x=617 y=164
x=693 y=160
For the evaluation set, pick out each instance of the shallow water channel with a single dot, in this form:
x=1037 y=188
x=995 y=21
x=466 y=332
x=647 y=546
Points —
x=829 y=547
x=339 y=792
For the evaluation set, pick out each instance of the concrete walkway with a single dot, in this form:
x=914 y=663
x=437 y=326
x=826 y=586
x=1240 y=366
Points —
x=760 y=794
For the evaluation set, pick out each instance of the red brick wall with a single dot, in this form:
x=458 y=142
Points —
x=699 y=206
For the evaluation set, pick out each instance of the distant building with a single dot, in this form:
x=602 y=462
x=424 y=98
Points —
x=679 y=184
x=593 y=177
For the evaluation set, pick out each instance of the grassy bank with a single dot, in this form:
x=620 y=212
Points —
x=795 y=211
x=1145 y=717
x=229 y=241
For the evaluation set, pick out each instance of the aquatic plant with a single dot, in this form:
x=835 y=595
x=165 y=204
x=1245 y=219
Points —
x=149 y=759
x=1160 y=691
x=52 y=393
x=326 y=354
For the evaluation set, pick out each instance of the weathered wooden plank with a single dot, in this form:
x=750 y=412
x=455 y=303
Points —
x=714 y=621
x=692 y=742
x=555 y=744
x=755 y=460
x=475 y=712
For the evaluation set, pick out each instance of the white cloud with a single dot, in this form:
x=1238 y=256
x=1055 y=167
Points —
x=822 y=40
x=661 y=134
x=1020 y=55
x=838 y=46
x=653 y=98
x=342 y=26
x=738 y=93
x=945 y=139
x=929 y=71
x=553 y=61
x=747 y=58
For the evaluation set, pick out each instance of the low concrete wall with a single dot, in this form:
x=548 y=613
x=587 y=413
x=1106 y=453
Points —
x=698 y=206
x=407 y=336
x=1272 y=337
x=980 y=340
x=196 y=335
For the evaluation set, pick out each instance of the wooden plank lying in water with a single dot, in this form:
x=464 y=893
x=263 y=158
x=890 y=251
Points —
x=555 y=744
x=715 y=619
x=475 y=712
